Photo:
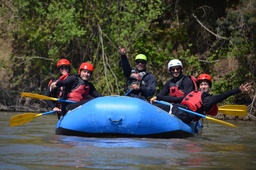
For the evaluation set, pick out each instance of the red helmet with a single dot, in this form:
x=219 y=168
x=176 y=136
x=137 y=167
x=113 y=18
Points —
x=85 y=66
x=63 y=62
x=202 y=77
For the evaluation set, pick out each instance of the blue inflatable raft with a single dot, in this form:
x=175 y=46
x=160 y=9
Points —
x=121 y=116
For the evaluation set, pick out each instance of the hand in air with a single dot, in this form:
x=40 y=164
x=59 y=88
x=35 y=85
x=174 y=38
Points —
x=123 y=51
x=245 y=87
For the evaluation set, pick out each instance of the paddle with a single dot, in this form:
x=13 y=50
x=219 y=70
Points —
x=128 y=92
x=198 y=114
x=210 y=118
x=26 y=117
x=234 y=110
x=43 y=97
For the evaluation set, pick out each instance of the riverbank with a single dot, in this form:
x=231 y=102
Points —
x=13 y=102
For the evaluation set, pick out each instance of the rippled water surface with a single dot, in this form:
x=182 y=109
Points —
x=35 y=146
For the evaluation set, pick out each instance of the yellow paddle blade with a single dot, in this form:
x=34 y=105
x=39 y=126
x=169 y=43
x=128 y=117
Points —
x=234 y=106
x=234 y=110
x=38 y=96
x=23 y=118
x=220 y=121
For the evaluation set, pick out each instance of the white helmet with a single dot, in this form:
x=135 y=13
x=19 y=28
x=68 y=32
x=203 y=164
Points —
x=174 y=62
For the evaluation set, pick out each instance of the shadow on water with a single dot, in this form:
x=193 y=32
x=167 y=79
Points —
x=35 y=146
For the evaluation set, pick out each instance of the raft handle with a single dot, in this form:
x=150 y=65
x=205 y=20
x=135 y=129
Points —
x=116 y=121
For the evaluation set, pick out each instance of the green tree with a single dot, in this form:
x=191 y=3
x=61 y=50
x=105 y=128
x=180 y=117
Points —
x=79 y=31
x=207 y=36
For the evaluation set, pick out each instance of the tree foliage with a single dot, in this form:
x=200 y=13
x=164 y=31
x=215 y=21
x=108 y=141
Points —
x=217 y=37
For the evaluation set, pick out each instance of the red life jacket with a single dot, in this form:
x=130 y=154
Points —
x=63 y=77
x=194 y=102
x=50 y=82
x=213 y=111
x=176 y=88
x=61 y=89
x=194 y=81
x=79 y=92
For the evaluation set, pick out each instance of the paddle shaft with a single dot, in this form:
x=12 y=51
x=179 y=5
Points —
x=127 y=93
x=43 y=97
x=198 y=114
x=189 y=111
x=207 y=117
x=236 y=110
x=47 y=113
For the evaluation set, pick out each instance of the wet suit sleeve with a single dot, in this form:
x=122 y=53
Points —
x=150 y=88
x=126 y=66
x=93 y=92
x=68 y=82
x=215 y=99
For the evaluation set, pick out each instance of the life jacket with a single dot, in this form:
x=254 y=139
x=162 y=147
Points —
x=213 y=111
x=63 y=77
x=194 y=102
x=137 y=77
x=176 y=89
x=61 y=89
x=79 y=91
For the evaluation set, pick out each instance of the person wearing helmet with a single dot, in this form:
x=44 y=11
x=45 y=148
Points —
x=63 y=65
x=77 y=87
x=177 y=87
x=140 y=82
x=202 y=101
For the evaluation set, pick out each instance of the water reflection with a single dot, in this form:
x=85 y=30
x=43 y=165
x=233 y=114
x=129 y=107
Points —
x=105 y=142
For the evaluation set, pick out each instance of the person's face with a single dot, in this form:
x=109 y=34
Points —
x=175 y=71
x=85 y=75
x=64 y=69
x=204 y=86
x=141 y=64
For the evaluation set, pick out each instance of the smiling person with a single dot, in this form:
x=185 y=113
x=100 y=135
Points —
x=177 y=87
x=140 y=82
x=201 y=101
x=63 y=66
x=77 y=87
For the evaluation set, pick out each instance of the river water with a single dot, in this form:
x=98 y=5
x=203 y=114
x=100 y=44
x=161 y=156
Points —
x=35 y=146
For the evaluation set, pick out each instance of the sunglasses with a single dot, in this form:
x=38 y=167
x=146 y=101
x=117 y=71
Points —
x=140 y=61
x=64 y=67
x=173 y=69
